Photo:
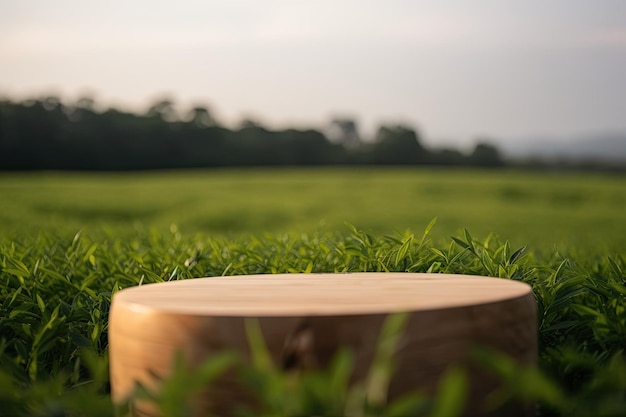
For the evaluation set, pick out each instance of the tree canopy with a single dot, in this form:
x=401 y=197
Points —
x=45 y=133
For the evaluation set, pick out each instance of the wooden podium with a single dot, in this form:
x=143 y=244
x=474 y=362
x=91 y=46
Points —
x=449 y=315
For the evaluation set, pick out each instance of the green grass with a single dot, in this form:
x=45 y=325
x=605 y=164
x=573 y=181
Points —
x=541 y=209
x=56 y=283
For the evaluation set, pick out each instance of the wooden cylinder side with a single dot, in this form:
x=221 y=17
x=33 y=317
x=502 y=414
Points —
x=144 y=338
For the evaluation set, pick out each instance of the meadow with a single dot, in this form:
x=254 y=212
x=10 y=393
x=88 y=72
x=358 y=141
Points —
x=539 y=209
x=69 y=241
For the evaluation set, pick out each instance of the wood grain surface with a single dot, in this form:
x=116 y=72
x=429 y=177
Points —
x=319 y=313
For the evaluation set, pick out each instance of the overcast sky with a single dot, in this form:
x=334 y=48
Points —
x=454 y=69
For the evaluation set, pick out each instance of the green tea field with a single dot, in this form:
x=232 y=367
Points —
x=539 y=209
x=70 y=241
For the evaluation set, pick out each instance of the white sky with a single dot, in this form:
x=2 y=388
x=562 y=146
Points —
x=454 y=69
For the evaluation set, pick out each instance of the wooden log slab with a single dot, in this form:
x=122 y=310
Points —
x=449 y=315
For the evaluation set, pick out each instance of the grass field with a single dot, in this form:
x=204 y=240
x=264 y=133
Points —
x=68 y=242
x=539 y=209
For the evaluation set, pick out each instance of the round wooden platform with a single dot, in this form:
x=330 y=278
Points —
x=449 y=314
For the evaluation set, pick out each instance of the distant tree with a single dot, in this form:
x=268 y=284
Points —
x=485 y=154
x=84 y=106
x=163 y=109
x=247 y=123
x=447 y=156
x=9 y=133
x=398 y=145
x=345 y=131
x=86 y=103
x=309 y=147
x=51 y=103
x=201 y=116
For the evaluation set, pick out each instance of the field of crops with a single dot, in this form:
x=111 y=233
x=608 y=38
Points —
x=542 y=210
x=69 y=241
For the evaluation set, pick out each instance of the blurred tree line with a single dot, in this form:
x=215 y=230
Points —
x=48 y=134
